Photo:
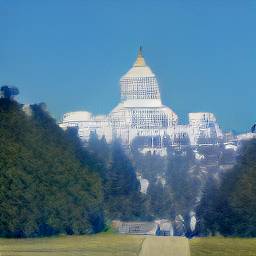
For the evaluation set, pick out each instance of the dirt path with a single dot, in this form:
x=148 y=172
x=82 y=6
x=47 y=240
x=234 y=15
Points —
x=165 y=246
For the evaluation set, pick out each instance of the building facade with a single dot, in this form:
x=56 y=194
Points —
x=141 y=114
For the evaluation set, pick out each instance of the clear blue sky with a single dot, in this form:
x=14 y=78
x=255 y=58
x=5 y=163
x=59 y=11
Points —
x=71 y=54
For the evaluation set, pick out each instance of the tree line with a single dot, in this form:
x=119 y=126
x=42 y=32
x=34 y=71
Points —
x=228 y=207
x=51 y=184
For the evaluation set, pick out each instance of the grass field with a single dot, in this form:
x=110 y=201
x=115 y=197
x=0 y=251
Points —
x=95 y=245
x=217 y=246
x=119 y=245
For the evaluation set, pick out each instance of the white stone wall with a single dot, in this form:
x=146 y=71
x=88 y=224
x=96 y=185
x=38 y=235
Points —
x=203 y=124
x=87 y=123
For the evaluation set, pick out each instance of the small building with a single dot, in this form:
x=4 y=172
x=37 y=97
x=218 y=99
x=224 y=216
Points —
x=155 y=228
x=139 y=228
x=136 y=228
x=165 y=227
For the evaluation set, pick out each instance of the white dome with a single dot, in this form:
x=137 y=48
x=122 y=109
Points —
x=135 y=71
x=139 y=69
x=100 y=118
x=77 y=116
x=140 y=83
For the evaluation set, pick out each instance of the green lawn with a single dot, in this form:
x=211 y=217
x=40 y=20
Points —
x=95 y=245
x=217 y=246
x=118 y=245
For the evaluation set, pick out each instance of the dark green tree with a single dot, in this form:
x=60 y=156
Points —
x=44 y=188
x=231 y=209
x=122 y=197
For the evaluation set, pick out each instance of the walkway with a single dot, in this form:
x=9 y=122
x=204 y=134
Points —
x=165 y=246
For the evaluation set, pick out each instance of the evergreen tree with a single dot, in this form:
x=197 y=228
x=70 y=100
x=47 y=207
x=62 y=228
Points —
x=122 y=197
x=231 y=209
x=180 y=182
x=44 y=188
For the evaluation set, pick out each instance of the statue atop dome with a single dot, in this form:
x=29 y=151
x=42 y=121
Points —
x=140 y=62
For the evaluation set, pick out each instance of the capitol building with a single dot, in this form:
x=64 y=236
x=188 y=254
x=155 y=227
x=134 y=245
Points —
x=142 y=115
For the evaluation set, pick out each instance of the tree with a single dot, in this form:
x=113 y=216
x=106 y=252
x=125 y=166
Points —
x=44 y=187
x=231 y=209
x=122 y=197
